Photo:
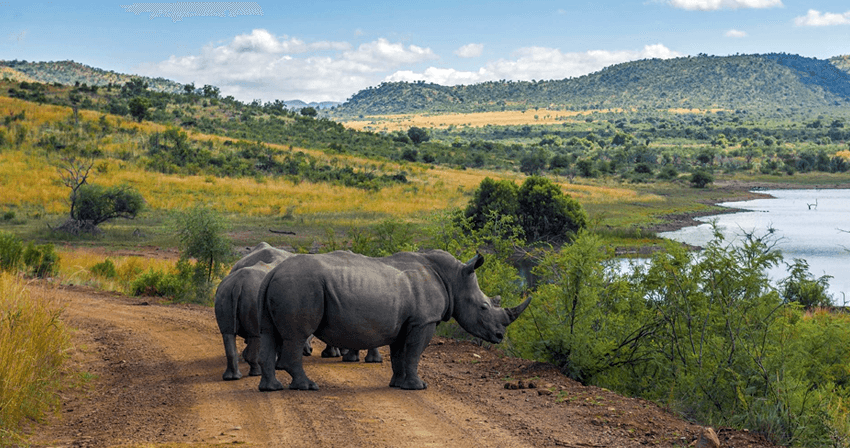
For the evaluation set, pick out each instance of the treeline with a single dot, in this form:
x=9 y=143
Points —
x=731 y=82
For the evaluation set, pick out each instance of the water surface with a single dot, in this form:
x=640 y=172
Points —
x=808 y=224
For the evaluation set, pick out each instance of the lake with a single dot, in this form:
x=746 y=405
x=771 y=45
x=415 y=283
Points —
x=809 y=224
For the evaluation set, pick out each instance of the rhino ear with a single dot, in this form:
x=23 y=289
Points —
x=473 y=264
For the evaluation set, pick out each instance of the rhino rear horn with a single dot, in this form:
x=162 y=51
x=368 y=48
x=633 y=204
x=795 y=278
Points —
x=513 y=313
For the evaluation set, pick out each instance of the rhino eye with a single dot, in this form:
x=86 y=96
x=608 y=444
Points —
x=485 y=305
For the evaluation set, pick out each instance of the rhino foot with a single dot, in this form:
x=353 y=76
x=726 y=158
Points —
x=376 y=357
x=255 y=371
x=414 y=384
x=230 y=375
x=351 y=356
x=305 y=384
x=270 y=385
x=330 y=352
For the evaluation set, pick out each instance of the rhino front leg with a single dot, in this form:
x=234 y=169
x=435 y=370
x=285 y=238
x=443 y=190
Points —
x=373 y=355
x=268 y=353
x=251 y=354
x=232 y=372
x=406 y=364
x=351 y=356
x=331 y=352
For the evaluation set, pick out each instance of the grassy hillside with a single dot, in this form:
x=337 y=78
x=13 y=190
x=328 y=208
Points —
x=705 y=82
x=73 y=73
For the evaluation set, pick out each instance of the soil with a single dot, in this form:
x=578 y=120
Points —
x=153 y=378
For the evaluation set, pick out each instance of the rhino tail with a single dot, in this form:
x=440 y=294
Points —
x=235 y=294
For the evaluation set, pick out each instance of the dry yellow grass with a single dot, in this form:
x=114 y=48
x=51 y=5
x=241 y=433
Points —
x=75 y=264
x=390 y=123
x=33 y=181
x=33 y=344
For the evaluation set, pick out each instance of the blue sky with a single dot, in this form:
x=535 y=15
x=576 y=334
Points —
x=327 y=50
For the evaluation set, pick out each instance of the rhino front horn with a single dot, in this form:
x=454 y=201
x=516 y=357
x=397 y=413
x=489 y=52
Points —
x=514 y=312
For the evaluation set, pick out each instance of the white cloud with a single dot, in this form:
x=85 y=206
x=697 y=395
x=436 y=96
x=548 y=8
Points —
x=736 y=33
x=539 y=63
x=816 y=18
x=263 y=66
x=712 y=5
x=470 y=50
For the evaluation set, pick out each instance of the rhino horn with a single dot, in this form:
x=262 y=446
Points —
x=473 y=264
x=514 y=312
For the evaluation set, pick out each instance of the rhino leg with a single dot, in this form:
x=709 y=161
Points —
x=373 y=355
x=308 y=346
x=232 y=372
x=404 y=355
x=351 y=356
x=251 y=354
x=331 y=352
x=290 y=361
x=268 y=353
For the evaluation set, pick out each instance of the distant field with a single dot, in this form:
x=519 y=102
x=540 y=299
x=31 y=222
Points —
x=390 y=123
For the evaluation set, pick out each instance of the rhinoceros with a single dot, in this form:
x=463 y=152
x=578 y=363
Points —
x=357 y=302
x=237 y=315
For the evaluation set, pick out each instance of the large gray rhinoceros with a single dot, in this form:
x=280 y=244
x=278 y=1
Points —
x=236 y=310
x=357 y=302
x=237 y=315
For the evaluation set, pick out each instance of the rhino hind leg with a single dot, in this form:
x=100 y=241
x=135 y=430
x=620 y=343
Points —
x=268 y=353
x=251 y=355
x=290 y=361
x=373 y=355
x=232 y=372
x=351 y=356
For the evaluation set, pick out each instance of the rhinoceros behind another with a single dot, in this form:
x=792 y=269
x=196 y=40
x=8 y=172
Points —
x=357 y=302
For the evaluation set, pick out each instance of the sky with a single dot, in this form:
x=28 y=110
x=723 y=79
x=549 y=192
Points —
x=328 y=50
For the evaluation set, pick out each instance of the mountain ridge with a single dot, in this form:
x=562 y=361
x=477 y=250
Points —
x=726 y=82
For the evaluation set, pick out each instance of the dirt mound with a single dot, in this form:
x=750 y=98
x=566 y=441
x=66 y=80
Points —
x=153 y=376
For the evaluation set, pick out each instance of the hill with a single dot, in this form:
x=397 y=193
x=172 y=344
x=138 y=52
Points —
x=749 y=82
x=71 y=73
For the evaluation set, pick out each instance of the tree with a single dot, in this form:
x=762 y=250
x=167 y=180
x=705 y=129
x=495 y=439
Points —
x=534 y=161
x=546 y=213
x=309 y=111
x=418 y=135
x=701 y=178
x=201 y=236
x=95 y=204
x=139 y=108
x=492 y=197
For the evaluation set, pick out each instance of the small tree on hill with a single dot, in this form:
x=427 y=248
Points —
x=92 y=205
x=139 y=108
x=418 y=135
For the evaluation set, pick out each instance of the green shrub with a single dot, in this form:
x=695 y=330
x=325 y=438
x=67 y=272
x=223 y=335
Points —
x=11 y=252
x=41 y=260
x=105 y=269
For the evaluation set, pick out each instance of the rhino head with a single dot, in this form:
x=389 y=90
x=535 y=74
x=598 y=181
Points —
x=478 y=314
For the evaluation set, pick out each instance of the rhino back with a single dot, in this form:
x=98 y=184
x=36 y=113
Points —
x=270 y=255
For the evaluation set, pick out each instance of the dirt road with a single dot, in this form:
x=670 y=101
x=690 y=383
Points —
x=153 y=377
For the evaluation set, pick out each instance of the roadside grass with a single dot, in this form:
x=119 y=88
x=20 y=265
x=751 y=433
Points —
x=33 y=344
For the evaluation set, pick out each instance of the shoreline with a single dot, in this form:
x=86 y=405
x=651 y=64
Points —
x=737 y=191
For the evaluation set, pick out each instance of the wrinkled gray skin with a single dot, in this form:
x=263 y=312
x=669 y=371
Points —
x=356 y=302
x=236 y=310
